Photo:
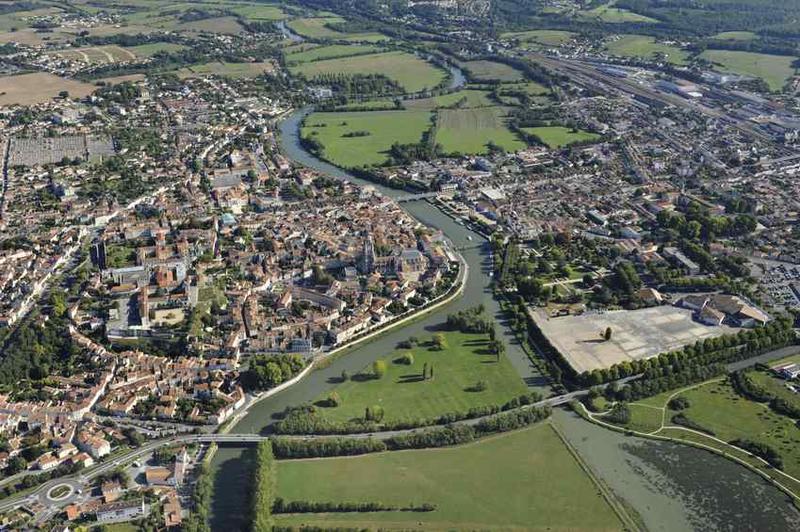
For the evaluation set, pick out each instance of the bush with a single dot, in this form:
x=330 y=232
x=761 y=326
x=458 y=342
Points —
x=379 y=369
x=620 y=414
x=407 y=359
x=762 y=450
x=295 y=448
x=678 y=403
x=682 y=420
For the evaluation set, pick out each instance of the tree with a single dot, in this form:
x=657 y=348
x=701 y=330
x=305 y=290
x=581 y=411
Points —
x=333 y=399
x=345 y=376
x=439 y=341
x=607 y=334
x=379 y=369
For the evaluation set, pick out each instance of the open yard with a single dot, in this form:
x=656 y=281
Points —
x=490 y=70
x=404 y=394
x=636 y=334
x=233 y=70
x=525 y=480
x=28 y=89
x=775 y=70
x=330 y=52
x=382 y=128
x=409 y=71
x=469 y=131
x=559 y=136
x=646 y=48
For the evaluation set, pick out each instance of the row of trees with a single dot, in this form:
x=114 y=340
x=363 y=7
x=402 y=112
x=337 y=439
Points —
x=263 y=488
x=303 y=507
x=744 y=386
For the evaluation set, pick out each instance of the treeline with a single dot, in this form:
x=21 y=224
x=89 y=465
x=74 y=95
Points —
x=762 y=450
x=197 y=521
x=744 y=386
x=309 y=507
x=471 y=320
x=423 y=439
x=358 y=85
x=304 y=419
x=263 y=489
x=267 y=371
x=127 y=39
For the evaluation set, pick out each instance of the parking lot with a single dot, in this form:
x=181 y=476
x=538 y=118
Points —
x=636 y=334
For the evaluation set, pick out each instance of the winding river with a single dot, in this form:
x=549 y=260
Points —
x=670 y=487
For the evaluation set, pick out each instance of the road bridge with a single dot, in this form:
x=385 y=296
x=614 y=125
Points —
x=416 y=197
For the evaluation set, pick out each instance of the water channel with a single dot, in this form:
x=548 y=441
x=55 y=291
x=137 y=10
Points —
x=670 y=486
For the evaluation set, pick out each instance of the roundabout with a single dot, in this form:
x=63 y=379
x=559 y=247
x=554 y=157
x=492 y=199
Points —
x=61 y=492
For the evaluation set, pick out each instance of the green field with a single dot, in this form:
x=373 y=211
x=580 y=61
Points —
x=531 y=88
x=384 y=127
x=226 y=25
x=559 y=136
x=545 y=37
x=259 y=12
x=468 y=131
x=735 y=36
x=147 y=50
x=403 y=393
x=411 y=72
x=316 y=28
x=608 y=13
x=233 y=70
x=463 y=98
x=775 y=70
x=525 y=480
x=491 y=70
x=646 y=48
x=329 y=52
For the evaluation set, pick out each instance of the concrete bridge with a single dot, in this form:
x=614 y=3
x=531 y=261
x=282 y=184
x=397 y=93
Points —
x=416 y=197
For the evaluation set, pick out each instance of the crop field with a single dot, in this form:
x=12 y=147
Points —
x=646 y=48
x=404 y=393
x=559 y=136
x=544 y=37
x=233 y=70
x=608 y=13
x=463 y=99
x=383 y=128
x=491 y=70
x=468 y=131
x=330 y=52
x=28 y=89
x=524 y=480
x=411 y=72
x=147 y=50
x=97 y=54
x=775 y=70
x=32 y=37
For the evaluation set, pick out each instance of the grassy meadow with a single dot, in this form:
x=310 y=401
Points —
x=470 y=130
x=559 y=136
x=775 y=70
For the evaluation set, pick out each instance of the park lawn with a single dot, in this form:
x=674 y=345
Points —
x=735 y=36
x=470 y=97
x=608 y=13
x=644 y=418
x=646 y=48
x=384 y=127
x=716 y=406
x=231 y=70
x=545 y=37
x=468 y=131
x=148 y=50
x=491 y=70
x=409 y=71
x=775 y=70
x=329 y=52
x=520 y=480
x=559 y=136
x=403 y=393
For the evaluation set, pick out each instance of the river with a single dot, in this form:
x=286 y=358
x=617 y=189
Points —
x=705 y=492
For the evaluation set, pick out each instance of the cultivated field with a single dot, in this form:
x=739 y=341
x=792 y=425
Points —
x=404 y=394
x=411 y=72
x=383 y=127
x=646 y=48
x=559 y=136
x=333 y=51
x=463 y=98
x=316 y=28
x=490 y=70
x=525 y=480
x=469 y=131
x=29 y=89
x=775 y=70
x=233 y=70
x=636 y=334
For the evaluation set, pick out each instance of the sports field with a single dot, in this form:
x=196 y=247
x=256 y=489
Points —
x=29 y=89
x=384 y=128
x=775 y=70
x=491 y=70
x=524 y=480
x=233 y=70
x=646 y=48
x=463 y=98
x=468 y=131
x=411 y=72
x=404 y=394
x=329 y=52
x=545 y=37
x=559 y=136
